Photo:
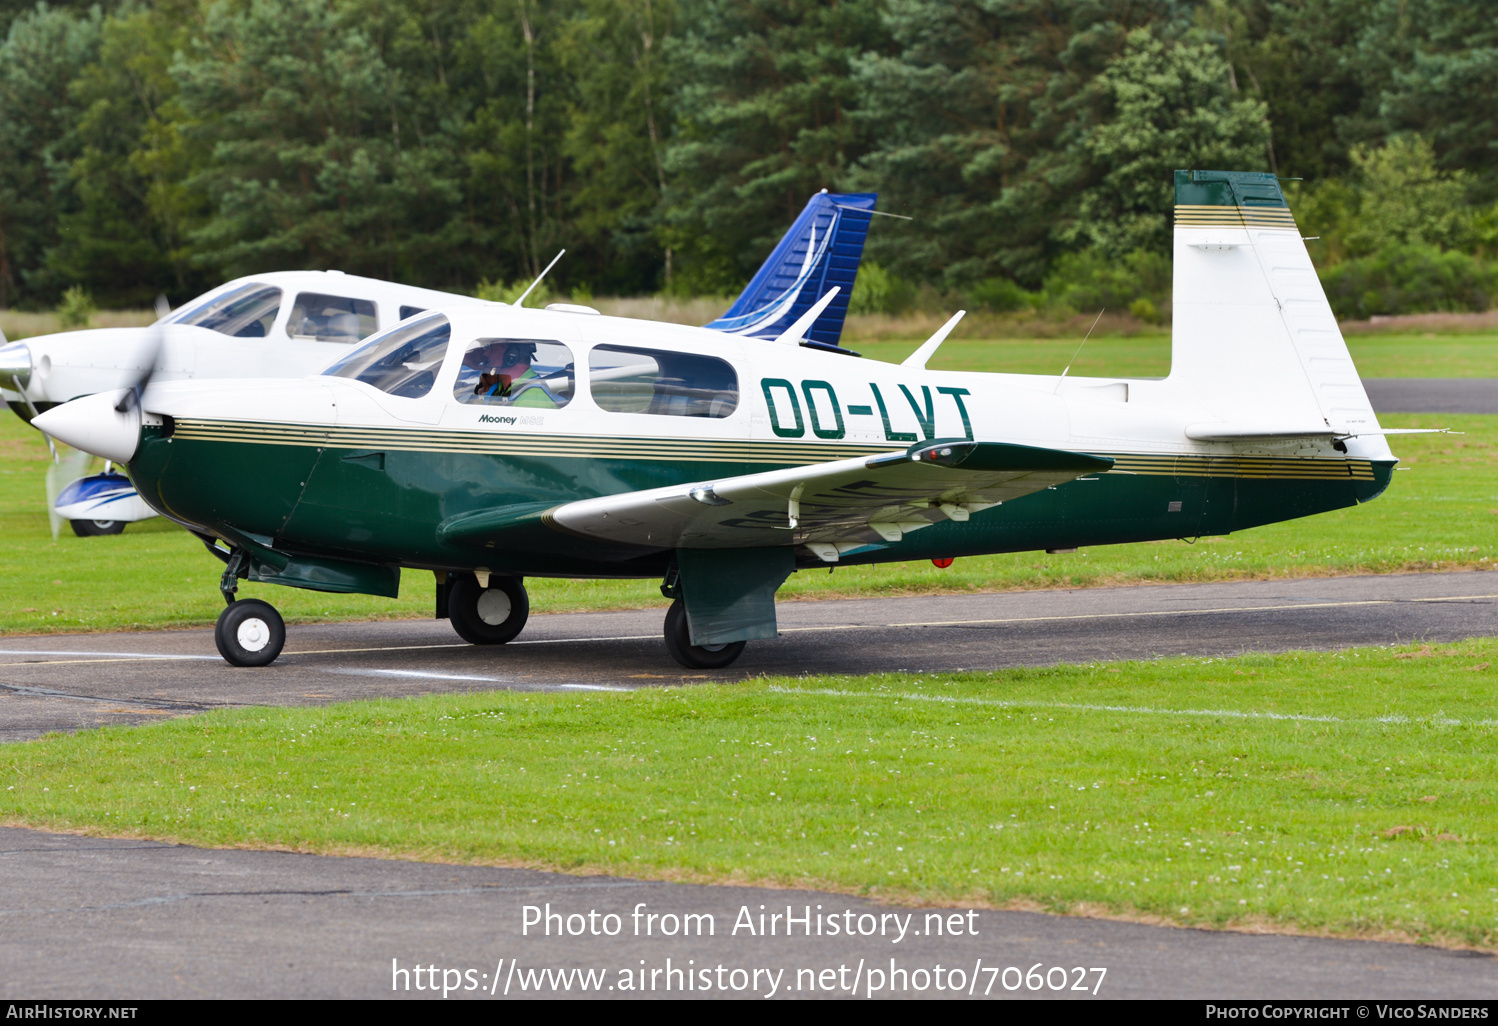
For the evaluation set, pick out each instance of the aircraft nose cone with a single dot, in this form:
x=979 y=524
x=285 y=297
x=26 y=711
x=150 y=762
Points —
x=93 y=425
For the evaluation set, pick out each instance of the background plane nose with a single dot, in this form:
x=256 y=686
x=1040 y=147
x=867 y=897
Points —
x=15 y=366
x=94 y=425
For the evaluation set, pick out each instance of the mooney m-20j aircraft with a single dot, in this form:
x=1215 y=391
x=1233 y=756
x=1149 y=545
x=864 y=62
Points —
x=488 y=445
x=290 y=323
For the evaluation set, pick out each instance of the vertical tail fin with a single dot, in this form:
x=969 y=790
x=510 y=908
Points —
x=822 y=249
x=1253 y=336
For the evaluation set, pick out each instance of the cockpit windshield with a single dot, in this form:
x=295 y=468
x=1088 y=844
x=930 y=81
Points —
x=403 y=361
x=245 y=312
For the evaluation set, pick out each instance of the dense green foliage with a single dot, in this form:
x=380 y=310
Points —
x=164 y=145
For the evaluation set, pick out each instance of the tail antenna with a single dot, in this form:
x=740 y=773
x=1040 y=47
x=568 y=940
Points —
x=521 y=300
x=1079 y=350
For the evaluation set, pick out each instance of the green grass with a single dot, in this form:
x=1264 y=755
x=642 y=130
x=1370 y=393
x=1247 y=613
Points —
x=1148 y=356
x=1440 y=514
x=1425 y=356
x=1342 y=793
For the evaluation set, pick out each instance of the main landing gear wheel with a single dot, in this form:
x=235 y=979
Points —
x=96 y=528
x=695 y=657
x=488 y=616
x=250 y=633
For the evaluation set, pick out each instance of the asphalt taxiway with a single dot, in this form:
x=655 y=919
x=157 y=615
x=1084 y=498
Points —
x=69 y=682
x=1433 y=395
x=83 y=917
x=88 y=917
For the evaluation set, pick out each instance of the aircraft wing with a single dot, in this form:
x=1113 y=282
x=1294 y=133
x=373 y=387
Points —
x=831 y=508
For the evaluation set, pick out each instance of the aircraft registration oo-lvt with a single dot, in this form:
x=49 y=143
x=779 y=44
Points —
x=490 y=444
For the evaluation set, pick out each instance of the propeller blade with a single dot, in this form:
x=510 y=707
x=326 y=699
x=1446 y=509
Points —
x=152 y=362
x=60 y=474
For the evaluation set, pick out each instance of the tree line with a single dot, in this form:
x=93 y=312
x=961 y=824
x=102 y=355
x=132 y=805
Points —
x=151 y=146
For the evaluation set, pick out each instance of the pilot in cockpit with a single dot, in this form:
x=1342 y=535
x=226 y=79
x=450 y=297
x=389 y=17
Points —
x=501 y=371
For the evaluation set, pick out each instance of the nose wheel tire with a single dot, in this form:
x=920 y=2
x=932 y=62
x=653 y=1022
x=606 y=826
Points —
x=96 y=528
x=250 y=633
x=695 y=657
x=488 y=616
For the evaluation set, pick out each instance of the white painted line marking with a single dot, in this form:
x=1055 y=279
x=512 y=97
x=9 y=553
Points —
x=569 y=641
x=423 y=674
x=102 y=657
x=129 y=656
x=592 y=687
x=1144 y=710
x=1146 y=612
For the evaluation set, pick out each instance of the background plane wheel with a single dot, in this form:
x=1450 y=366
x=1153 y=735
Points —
x=488 y=616
x=249 y=633
x=695 y=657
x=96 y=528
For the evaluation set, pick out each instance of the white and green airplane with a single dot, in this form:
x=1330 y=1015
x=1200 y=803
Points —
x=287 y=324
x=488 y=445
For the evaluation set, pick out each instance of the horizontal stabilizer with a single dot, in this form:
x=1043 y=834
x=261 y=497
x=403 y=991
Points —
x=822 y=250
x=1222 y=431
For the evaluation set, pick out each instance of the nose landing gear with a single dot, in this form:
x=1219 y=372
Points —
x=249 y=632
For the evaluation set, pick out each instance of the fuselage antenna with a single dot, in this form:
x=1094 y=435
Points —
x=521 y=300
x=1078 y=352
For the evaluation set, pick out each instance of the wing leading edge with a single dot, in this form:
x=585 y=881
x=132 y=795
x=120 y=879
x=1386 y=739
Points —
x=830 y=508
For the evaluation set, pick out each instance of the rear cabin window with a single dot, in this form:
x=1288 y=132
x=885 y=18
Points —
x=524 y=372
x=331 y=318
x=628 y=380
x=403 y=361
x=245 y=312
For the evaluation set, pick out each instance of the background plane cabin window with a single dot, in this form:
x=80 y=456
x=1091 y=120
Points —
x=525 y=372
x=331 y=318
x=658 y=381
x=403 y=361
x=245 y=312
x=411 y=311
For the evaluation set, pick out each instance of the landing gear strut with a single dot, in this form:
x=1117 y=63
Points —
x=695 y=657
x=249 y=632
x=487 y=614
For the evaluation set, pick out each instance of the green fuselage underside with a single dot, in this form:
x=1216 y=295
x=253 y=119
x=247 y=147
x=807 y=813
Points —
x=385 y=505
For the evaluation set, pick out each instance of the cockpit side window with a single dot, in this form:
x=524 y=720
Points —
x=331 y=318
x=627 y=380
x=403 y=361
x=525 y=372
x=245 y=312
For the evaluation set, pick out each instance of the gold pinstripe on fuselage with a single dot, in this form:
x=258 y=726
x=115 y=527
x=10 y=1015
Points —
x=731 y=450
x=1280 y=467
x=737 y=450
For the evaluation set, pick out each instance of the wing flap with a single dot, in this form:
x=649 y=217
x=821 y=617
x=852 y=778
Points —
x=829 y=507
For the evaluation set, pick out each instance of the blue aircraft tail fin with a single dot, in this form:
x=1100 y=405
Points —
x=821 y=250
